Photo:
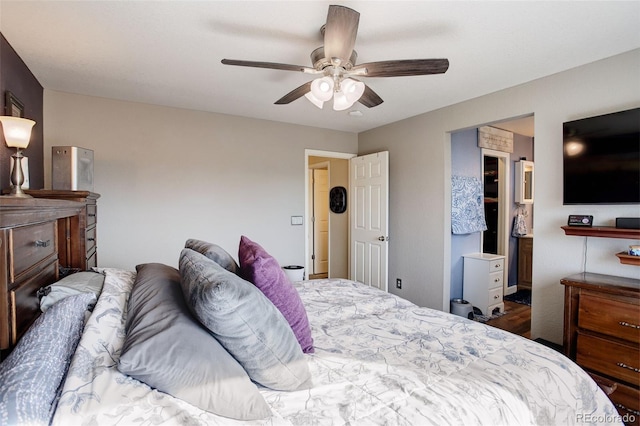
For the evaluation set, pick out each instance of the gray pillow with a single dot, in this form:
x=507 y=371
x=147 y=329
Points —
x=245 y=322
x=166 y=348
x=33 y=373
x=80 y=282
x=215 y=253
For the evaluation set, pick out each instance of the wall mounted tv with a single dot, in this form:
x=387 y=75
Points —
x=602 y=159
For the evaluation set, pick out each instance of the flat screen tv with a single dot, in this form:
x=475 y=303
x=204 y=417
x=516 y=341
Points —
x=602 y=159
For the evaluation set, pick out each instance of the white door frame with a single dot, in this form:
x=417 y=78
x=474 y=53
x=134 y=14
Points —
x=307 y=196
x=504 y=212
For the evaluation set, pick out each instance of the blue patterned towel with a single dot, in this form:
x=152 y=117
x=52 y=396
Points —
x=467 y=205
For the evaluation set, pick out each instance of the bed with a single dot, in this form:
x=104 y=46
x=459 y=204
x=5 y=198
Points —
x=360 y=356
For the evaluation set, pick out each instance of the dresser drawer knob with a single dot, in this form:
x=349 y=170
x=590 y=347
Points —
x=628 y=367
x=40 y=243
x=626 y=324
x=91 y=215
x=91 y=239
x=497 y=296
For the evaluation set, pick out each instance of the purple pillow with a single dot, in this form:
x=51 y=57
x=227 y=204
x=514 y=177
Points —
x=260 y=268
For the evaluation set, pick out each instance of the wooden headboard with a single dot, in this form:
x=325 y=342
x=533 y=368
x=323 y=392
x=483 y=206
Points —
x=31 y=236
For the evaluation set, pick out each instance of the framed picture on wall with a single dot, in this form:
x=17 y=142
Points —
x=12 y=105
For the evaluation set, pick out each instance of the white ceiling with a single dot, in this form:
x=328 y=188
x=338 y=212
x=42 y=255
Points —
x=169 y=52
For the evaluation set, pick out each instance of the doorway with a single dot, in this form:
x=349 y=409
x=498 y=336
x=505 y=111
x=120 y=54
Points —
x=319 y=223
x=467 y=159
x=496 y=171
x=335 y=228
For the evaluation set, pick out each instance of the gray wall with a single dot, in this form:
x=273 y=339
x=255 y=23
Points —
x=466 y=160
x=420 y=172
x=168 y=174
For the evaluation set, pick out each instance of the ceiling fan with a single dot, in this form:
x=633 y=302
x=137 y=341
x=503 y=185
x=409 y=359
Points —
x=335 y=64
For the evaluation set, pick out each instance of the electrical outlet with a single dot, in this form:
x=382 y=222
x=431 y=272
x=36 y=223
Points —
x=398 y=283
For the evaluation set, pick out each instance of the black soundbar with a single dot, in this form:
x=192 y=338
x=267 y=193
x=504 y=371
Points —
x=628 y=222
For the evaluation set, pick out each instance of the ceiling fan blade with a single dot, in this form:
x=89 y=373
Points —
x=370 y=98
x=294 y=94
x=340 y=32
x=269 y=65
x=402 y=68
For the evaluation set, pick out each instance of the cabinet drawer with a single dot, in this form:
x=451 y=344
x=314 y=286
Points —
x=25 y=306
x=627 y=402
x=625 y=398
x=92 y=214
x=496 y=279
x=496 y=265
x=613 y=359
x=31 y=244
x=90 y=239
x=610 y=317
x=495 y=295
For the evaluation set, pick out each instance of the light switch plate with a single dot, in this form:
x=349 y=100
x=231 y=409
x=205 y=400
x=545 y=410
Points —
x=296 y=220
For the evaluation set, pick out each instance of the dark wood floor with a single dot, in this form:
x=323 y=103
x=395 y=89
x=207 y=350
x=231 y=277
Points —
x=517 y=319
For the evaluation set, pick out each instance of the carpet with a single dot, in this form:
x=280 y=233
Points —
x=521 y=296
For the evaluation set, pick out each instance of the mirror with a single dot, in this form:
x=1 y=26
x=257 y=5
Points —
x=524 y=182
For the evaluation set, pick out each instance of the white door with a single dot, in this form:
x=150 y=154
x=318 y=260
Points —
x=320 y=221
x=369 y=190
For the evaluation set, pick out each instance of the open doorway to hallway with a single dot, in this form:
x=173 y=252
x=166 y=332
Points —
x=327 y=233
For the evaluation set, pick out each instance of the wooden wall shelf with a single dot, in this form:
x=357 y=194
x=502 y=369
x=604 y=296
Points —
x=627 y=259
x=602 y=231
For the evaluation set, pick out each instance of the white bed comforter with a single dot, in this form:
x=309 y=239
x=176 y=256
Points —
x=379 y=360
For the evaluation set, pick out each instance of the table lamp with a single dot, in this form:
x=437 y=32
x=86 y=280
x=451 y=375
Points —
x=17 y=133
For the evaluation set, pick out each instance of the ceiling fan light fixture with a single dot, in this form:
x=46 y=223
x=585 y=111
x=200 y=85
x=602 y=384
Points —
x=322 y=88
x=352 y=89
x=317 y=102
x=341 y=102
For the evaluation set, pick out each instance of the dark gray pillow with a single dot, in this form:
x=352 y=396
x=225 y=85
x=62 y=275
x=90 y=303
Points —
x=166 y=348
x=215 y=253
x=33 y=373
x=245 y=322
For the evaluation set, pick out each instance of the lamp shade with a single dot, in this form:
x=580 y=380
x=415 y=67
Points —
x=322 y=88
x=17 y=131
x=317 y=102
x=352 y=89
x=340 y=102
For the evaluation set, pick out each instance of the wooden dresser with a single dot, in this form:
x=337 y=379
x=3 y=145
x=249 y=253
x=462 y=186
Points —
x=602 y=334
x=29 y=259
x=79 y=232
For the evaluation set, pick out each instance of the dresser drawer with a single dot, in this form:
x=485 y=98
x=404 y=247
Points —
x=627 y=402
x=30 y=245
x=496 y=279
x=24 y=304
x=496 y=265
x=617 y=360
x=495 y=295
x=92 y=214
x=625 y=398
x=611 y=317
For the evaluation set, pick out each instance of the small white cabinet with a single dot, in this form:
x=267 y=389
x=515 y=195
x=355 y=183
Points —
x=524 y=182
x=483 y=281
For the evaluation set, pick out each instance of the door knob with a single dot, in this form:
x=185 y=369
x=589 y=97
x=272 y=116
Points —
x=383 y=238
